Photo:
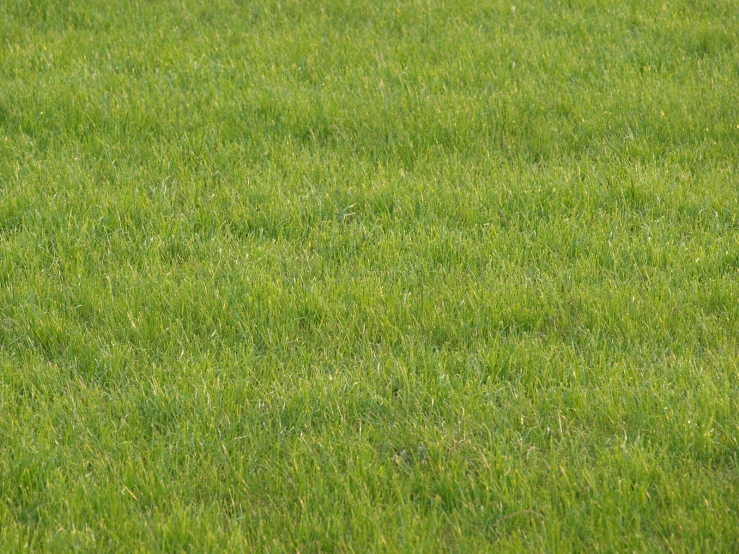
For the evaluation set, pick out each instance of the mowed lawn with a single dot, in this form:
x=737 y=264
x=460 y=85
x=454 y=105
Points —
x=355 y=276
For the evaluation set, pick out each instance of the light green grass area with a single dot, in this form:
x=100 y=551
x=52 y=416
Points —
x=369 y=276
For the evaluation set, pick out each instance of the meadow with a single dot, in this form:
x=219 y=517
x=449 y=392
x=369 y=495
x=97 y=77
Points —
x=369 y=276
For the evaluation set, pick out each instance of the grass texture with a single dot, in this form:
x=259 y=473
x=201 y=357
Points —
x=362 y=276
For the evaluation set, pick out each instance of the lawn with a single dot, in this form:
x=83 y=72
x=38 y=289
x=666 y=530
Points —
x=361 y=275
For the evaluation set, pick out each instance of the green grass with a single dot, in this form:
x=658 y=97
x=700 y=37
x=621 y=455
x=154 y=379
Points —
x=369 y=276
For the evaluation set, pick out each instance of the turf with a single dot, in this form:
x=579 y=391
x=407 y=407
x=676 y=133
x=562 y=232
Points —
x=369 y=276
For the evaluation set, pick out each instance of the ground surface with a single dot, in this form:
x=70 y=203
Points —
x=357 y=275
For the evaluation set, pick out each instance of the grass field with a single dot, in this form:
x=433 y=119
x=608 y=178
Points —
x=369 y=276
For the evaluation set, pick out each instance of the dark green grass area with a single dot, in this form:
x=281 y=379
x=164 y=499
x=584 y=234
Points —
x=369 y=276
